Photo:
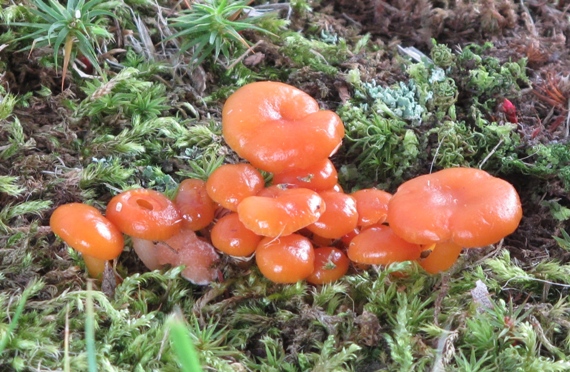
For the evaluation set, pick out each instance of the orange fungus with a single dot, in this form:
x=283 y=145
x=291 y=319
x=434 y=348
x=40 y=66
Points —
x=278 y=127
x=372 y=206
x=230 y=236
x=339 y=218
x=466 y=206
x=286 y=259
x=319 y=177
x=86 y=230
x=145 y=214
x=229 y=184
x=287 y=212
x=330 y=264
x=378 y=245
x=196 y=207
x=441 y=257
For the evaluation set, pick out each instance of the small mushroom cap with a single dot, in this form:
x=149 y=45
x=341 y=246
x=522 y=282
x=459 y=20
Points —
x=372 y=206
x=196 y=207
x=86 y=230
x=229 y=184
x=339 y=218
x=186 y=248
x=286 y=259
x=287 y=212
x=466 y=206
x=145 y=214
x=319 y=177
x=230 y=236
x=330 y=264
x=278 y=127
x=441 y=258
x=378 y=245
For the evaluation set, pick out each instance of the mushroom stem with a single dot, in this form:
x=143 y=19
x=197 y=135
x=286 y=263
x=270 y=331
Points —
x=146 y=250
x=441 y=258
x=95 y=266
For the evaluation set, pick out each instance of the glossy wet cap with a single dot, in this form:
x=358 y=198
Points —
x=466 y=206
x=86 y=230
x=278 y=127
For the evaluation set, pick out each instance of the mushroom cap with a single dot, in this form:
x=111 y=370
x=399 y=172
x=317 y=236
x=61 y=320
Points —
x=145 y=214
x=339 y=218
x=372 y=206
x=86 y=230
x=378 y=245
x=230 y=236
x=288 y=211
x=186 y=248
x=229 y=184
x=196 y=207
x=442 y=257
x=286 y=259
x=330 y=264
x=278 y=127
x=466 y=206
x=320 y=176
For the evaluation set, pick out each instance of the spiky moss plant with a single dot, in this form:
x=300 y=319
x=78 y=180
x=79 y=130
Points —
x=131 y=139
x=75 y=27
x=129 y=331
x=213 y=27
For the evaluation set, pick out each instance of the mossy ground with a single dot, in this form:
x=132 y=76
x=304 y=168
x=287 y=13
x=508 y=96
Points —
x=153 y=121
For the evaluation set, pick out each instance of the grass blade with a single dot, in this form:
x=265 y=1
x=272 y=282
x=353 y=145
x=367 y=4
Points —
x=183 y=346
x=90 y=329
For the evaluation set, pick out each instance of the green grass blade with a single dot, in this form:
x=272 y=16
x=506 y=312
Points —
x=90 y=329
x=183 y=346
x=48 y=11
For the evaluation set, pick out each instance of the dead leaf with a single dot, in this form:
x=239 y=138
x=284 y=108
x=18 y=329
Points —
x=254 y=59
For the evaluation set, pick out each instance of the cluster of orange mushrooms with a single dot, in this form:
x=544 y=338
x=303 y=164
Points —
x=301 y=226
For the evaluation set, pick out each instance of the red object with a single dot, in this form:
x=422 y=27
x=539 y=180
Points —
x=88 y=65
x=510 y=111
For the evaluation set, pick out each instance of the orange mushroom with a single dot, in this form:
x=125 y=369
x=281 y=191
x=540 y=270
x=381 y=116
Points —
x=339 y=218
x=330 y=264
x=87 y=231
x=286 y=259
x=287 y=212
x=145 y=214
x=318 y=177
x=196 y=207
x=441 y=258
x=464 y=206
x=372 y=206
x=378 y=245
x=229 y=184
x=277 y=127
x=230 y=236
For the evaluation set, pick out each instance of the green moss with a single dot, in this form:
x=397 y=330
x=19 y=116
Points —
x=319 y=55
